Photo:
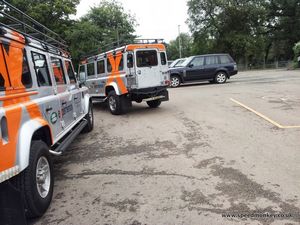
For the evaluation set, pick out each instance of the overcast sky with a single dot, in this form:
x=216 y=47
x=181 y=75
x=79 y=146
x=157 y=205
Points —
x=156 y=18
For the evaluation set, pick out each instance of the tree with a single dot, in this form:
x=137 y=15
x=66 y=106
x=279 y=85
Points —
x=235 y=27
x=283 y=26
x=104 y=24
x=54 y=14
x=186 y=47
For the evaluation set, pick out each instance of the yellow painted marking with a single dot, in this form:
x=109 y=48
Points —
x=263 y=116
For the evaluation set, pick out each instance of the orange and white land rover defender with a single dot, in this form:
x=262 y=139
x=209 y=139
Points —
x=135 y=72
x=42 y=108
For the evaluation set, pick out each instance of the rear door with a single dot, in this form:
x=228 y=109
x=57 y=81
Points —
x=147 y=68
x=74 y=89
x=211 y=66
x=65 y=96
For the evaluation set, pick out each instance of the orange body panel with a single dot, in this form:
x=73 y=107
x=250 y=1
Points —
x=115 y=74
x=161 y=47
x=11 y=102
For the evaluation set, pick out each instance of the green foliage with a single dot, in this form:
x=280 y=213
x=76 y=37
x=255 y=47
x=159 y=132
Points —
x=250 y=30
x=54 y=14
x=296 y=49
x=231 y=26
x=186 y=47
x=101 y=26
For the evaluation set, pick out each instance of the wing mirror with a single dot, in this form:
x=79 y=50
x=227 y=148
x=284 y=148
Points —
x=191 y=65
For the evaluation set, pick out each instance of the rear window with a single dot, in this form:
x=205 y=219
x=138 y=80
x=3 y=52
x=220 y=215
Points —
x=224 y=59
x=146 y=58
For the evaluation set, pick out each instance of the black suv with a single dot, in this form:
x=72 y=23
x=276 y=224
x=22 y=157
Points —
x=216 y=68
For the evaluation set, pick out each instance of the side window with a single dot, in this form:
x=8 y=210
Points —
x=82 y=73
x=26 y=76
x=211 y=60
x=91 y=69
x=109 y=67
x=58 y=71
x=224 y=59
x=121 y=65
x=4 y=81
x=100 y=67
x=163 y=58
x=129 y=60
x=70 y=72
x=41 y=69
x=199 y=61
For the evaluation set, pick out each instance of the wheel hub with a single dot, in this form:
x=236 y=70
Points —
x=112 y=103
x=43 y=177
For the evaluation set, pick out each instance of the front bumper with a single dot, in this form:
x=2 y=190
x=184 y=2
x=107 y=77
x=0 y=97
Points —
x=149 y=94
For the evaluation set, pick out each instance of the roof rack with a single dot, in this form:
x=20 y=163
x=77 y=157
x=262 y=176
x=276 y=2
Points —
x=120 y=43
x=19 y=21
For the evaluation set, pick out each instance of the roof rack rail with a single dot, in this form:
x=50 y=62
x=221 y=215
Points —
x=17 y=20
x=120 y=43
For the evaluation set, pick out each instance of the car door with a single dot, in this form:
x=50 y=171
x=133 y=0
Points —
x=195 y=69
x=74 y=90
x=91 y=78
x=50 y=101
x=211 y=66
x=147 y=68
x=65 y=96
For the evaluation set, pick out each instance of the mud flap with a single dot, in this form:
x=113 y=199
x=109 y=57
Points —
x=11 y=205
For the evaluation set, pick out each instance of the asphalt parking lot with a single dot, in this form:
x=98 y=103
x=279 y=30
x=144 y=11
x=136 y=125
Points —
x=197 y=158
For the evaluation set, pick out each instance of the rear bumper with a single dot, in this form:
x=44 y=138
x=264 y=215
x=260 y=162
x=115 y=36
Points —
x=232 y=73
x=148 y=93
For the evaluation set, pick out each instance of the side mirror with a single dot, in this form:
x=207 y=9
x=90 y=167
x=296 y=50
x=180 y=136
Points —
x=191 y=65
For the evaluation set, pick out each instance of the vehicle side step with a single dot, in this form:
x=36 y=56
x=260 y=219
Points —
x=98 y=100
x=69 y=139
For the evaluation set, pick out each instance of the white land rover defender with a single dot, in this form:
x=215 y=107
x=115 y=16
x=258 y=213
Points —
x=42 y=110
x=135 y=72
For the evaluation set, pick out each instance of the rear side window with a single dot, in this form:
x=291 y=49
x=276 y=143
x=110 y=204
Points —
x=41 y=69
x=4 y=81
x=100 y=67
x=70 y=72
x=58 y=71
x=120 y=66
x=224 y=59
x=26 y=76
x=211 y=60
x=163 y=58
x=146 y=58
x=15 y=61
x=91 y=69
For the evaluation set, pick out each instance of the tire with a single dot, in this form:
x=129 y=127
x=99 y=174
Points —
x=154 y=103
x=220 y=78
x=175 y=81
x=37 y=196
x=116 y=103
x=90 y=119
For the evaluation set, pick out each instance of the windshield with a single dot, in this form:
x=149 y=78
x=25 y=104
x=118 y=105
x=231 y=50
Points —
x=187 y=61
x=179 y=63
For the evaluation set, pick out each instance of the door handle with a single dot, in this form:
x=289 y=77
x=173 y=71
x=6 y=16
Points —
x=64 y=103
x=48 y=109
x=75 y=98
